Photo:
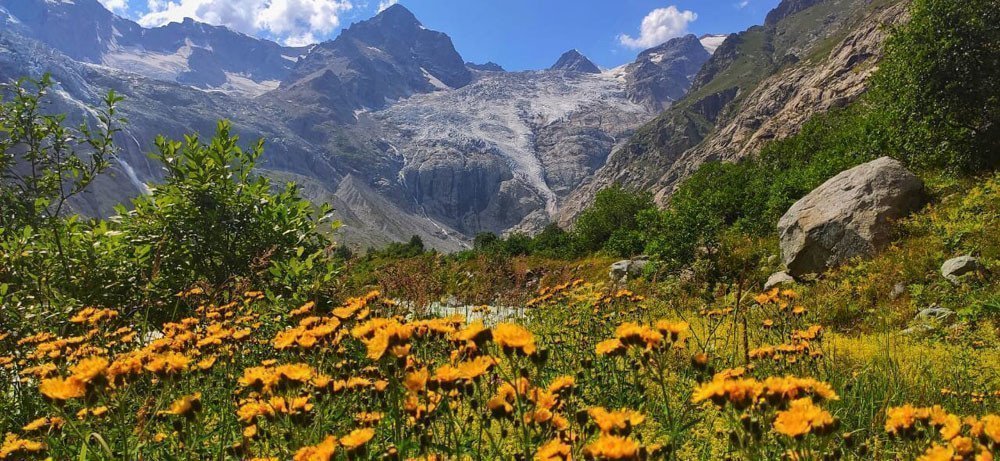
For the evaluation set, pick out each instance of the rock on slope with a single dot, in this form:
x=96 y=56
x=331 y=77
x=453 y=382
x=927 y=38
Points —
x=760 y=84
x=848 y=216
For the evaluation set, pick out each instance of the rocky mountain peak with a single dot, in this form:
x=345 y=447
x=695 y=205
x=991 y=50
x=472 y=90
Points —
x=370 y=65
x=487 y=66
x=395 y=21
x=82 y=29
x=787 y=8
x=396 y=14
x=662 y=74
x=675 y=48
x=188 y=52
x=574 y=61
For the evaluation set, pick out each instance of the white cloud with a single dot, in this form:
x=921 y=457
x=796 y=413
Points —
x=117 y=6
x=382 y=5
x=743 y=3
x=658 y=26
x=293 y=22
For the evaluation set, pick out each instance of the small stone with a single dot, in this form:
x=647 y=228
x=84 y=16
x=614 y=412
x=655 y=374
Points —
x=898 y=290
x=937 y=314
x=916 y=329
x=777 y=279
x=954 y=268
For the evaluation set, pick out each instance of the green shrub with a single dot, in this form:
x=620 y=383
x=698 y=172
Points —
x=46 y=257
x=213 y=219
x=937 y=87
x=614 y=210
x=554 y=242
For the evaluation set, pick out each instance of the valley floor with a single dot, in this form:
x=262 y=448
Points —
x=654 y=368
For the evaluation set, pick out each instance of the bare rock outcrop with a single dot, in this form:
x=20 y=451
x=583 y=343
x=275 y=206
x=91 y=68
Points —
x=849 y=215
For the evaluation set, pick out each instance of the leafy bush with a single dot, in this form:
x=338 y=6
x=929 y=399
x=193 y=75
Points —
x=554 y=242
x=213 y=219
x=45 y=256
x=937 y=87
x=399 y=250
x=614 y=211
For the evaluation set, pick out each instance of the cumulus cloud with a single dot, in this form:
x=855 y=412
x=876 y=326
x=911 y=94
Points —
x=293 y=22
x=658 y=26
x=117 y=6
x=382 y=5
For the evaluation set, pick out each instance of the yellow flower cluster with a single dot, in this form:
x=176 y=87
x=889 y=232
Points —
x=803 y=417
x=662 y=334
x=13 y=445
x=324 y=451
x=743 y=392
x=613 y=442
x=964 y=438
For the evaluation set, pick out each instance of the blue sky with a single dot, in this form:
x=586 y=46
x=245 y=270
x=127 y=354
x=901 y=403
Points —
x=517 y=34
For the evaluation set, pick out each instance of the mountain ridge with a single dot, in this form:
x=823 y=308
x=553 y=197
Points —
x=390 y=108
x=191 y=53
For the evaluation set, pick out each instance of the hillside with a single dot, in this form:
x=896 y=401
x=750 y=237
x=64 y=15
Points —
x=759 y=85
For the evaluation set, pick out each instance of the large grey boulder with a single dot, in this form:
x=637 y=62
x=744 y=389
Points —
x=847 y=216
x=954 y=268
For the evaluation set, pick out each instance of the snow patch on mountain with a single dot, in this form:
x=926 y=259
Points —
x=8 y=16
x=159 y=66
x=712 y=42
x=502 y=112
x=434 y=81
x=241 y=84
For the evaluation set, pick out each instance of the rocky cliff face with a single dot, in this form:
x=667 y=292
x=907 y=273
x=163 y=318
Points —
x=507 y=147
x=761 y=84
x=504 y=152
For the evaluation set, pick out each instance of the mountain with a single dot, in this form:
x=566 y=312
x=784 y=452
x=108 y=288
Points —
x=503 y=152
x=573 y=61
x=162 y=105
x=487 y=67
x=386 y=122
x=372 y=64
x=190 y=53
x=761 y=84
x=662 y=74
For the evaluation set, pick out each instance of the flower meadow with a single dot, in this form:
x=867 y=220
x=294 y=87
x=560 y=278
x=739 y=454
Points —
x=587 y=372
